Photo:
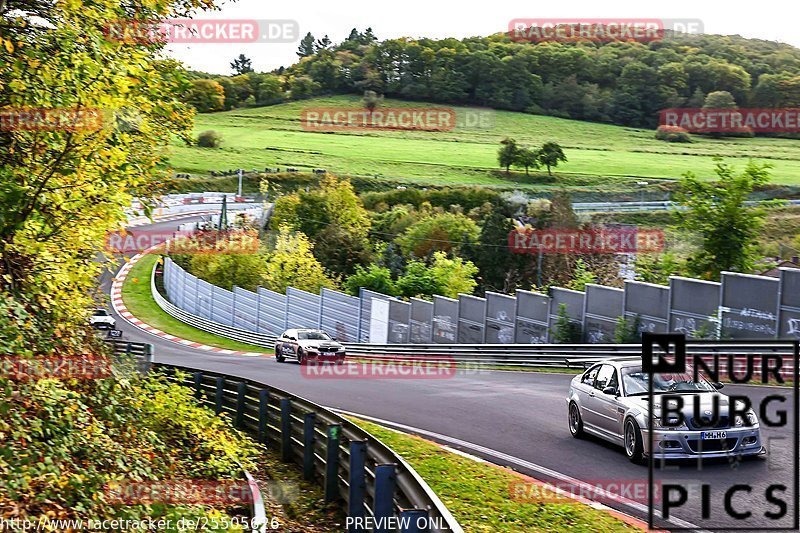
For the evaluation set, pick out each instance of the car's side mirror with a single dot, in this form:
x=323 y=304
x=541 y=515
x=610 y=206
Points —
x=334 y=338
x=292 y=339
x=718 y=385
x=612 y=391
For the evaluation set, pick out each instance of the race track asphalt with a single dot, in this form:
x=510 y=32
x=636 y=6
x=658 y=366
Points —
x=519 y=420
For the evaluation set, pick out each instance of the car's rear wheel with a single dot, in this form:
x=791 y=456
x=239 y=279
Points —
x=575 y=421
x=633 y=442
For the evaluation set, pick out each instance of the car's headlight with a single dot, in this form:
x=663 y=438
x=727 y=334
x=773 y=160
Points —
x=657 y=424
x=751 y=418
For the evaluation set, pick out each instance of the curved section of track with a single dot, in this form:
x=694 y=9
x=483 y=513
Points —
x=516 y=419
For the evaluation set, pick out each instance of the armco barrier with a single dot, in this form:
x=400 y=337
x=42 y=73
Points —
x=355 y=468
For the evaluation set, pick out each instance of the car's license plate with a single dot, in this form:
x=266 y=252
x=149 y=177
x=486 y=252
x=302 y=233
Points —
x=714 y=435
x=328 y=354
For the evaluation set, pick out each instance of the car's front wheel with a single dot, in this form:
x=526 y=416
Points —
x=301 y=357
x=633 y=442
x=575 y=421
x=278 y=355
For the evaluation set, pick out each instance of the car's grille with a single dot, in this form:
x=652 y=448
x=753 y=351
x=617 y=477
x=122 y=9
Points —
x=712 y=445
x=722 y=423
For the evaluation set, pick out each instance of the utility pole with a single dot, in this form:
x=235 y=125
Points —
x=239 y=195
x=223 y=216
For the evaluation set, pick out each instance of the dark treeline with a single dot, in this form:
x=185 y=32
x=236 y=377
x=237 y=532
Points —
x=619 y=82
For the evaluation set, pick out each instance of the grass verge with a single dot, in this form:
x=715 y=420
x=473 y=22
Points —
x=479 y=494
x=139 y=301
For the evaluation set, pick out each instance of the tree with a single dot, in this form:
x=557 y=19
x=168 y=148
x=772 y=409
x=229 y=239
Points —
x=581 y=276
x=354 y=35
x=292 y=264
x=371 y=100
x=527 y=158
x=206 y=96
x=492 y=256
x=209 y=139
x=550 y=154
x=454 y=275
x=441 y=232
x=63 y=191
x=418 y=281
x=508 y=153
x=229 y=270
x=373 y=278
x=307 y=46
x=340 y=251
x=717 y=212
x=323 y=44
x=719 y=100
x=444 y=276
x=241 y=65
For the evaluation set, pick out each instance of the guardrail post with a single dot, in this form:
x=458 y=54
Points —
x=357 y=480
x=263 y=415
x=385 y=481
x=286 y=429
x=308 y=445
x=198 y=385
x=241 y=390
x=218 y=396
x=414 y=521
x=148 y=357
x=332 y=463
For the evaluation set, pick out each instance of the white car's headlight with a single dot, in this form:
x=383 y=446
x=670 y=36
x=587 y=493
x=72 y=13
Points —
x=751 y=418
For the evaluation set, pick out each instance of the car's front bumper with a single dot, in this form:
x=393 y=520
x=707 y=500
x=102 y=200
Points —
x=688 y=444
x=103 y=325
x=324 y=357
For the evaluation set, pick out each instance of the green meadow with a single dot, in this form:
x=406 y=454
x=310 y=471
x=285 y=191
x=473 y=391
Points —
x=599 y=154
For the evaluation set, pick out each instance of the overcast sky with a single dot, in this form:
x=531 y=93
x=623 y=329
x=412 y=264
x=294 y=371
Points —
x=766 y=19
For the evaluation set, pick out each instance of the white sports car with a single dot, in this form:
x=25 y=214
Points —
x=308 y=345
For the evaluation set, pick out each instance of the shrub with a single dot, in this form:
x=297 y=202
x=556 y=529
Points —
x=565 y=331
x=673 y=134
x=209 y=139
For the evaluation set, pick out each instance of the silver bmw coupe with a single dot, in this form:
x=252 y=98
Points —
x=611 y=400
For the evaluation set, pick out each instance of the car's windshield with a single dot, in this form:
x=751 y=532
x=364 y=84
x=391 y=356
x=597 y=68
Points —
x=314 y=336
x=636 y=382
x=100 y=312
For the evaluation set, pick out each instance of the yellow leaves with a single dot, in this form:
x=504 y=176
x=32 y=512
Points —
x=9 y=46
x=34 y=63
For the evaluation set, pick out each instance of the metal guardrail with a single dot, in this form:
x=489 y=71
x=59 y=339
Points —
x=355 y=468
x=477 y=355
